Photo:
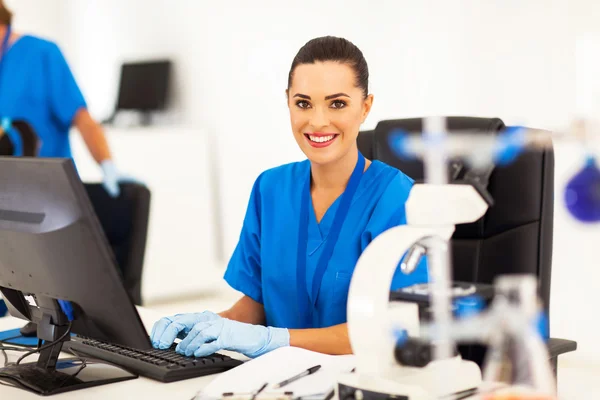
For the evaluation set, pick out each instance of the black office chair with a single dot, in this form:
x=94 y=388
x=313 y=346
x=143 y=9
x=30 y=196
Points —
x=125 y=223
x=514 y=236
x=29 y=139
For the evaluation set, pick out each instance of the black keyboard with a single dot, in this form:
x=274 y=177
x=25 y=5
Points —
x=162 y=365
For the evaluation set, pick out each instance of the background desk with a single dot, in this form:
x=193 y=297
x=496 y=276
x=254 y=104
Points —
x=143 y=388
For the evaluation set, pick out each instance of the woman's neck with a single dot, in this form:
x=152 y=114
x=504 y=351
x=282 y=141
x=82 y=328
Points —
x=13 y=36
x=335 y=175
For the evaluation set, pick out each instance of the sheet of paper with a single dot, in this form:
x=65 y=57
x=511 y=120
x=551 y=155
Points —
x=277 y=366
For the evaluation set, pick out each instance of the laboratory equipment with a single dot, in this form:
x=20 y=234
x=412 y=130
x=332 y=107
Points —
x=436 y=369
x=582 y=192
x=377 y=370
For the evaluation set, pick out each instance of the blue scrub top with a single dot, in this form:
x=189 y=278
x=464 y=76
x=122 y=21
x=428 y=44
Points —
x=263 y=265
x=36 y=85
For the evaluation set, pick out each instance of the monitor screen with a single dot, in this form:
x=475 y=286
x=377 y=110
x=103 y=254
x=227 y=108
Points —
x=52 y=246
x=144 y=85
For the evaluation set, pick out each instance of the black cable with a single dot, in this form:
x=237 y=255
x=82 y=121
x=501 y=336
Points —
x=83 y=365
x=3 y=349
x=48 y=345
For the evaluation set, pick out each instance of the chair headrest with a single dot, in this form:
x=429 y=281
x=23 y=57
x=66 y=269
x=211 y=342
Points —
x=414 y=168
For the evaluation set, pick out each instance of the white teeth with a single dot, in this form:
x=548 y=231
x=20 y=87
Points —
x=321 y=139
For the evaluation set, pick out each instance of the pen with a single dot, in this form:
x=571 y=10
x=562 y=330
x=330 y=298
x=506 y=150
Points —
x=259 y=390
x=302 y=374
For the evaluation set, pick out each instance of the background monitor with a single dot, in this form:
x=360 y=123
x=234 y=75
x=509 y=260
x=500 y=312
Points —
x=144 y=86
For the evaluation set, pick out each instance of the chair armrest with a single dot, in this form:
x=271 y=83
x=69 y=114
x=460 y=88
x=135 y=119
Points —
x=557 y=347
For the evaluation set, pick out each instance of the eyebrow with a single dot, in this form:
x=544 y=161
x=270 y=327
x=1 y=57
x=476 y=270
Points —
x=331 y=96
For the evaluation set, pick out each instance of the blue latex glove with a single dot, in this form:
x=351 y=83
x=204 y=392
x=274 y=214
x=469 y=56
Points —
x=167 y=329
x=208 y=337
x=111 y=178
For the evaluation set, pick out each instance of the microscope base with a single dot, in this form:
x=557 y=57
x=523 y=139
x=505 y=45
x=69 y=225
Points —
x=439 y=378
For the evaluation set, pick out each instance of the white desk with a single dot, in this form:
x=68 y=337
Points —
x=141 y=387
x=575 y=381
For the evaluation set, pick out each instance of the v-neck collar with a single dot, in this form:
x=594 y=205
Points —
x=318 y=231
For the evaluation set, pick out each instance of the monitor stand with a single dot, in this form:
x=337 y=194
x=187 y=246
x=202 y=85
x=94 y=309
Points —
x=145 y=118
x=49 y=375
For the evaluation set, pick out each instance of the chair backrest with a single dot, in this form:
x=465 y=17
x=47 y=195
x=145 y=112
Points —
x=515 y=235
x=29 y=140
x=124 y=220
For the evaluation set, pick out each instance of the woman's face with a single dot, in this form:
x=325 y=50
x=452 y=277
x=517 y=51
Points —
x=326 y=110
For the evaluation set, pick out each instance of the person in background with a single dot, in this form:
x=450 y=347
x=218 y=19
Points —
x=307 y=222
x=37 y=86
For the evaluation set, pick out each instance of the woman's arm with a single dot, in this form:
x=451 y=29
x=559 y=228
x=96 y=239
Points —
x=333 y=340
x=92 y=134
x=246 y=310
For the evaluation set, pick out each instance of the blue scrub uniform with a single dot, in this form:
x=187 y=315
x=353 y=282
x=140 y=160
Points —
x=36 y=85
x=263 y=265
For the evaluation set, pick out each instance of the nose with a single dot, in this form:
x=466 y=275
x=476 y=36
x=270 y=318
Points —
x=319 y=119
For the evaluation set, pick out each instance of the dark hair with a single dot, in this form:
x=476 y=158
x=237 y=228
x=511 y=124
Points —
x=331 y=48
x=5 y=14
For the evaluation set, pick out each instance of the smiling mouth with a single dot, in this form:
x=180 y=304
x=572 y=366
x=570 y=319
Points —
x=321 y=138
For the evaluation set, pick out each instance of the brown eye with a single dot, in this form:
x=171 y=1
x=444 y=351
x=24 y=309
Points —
x=337 y=104
x=302 y=104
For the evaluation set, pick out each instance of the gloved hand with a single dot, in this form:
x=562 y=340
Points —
x=167 y=329
x=111 y=178
x=210 y=336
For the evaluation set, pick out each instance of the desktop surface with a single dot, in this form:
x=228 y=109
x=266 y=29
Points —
x=136 y=388
x=577 y=381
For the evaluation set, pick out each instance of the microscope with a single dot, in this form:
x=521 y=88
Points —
x=418 y=369
x=406 y=349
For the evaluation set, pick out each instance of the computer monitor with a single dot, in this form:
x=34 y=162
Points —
x=52 y=248
x=144 y=86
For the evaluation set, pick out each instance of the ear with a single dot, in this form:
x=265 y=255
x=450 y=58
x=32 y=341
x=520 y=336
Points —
x=287 y=97
x=366 y=109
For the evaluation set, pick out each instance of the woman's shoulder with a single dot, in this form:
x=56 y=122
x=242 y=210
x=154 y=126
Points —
x=388 y=178
x=39 y=45
x=37 y=41
x=283 y=175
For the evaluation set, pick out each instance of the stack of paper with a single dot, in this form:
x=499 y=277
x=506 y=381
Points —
x=277 y=366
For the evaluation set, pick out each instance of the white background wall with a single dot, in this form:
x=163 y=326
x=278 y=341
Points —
x=509 y=58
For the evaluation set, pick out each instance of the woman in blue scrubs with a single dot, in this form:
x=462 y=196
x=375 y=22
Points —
x=36 y=85
x=306 y=223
